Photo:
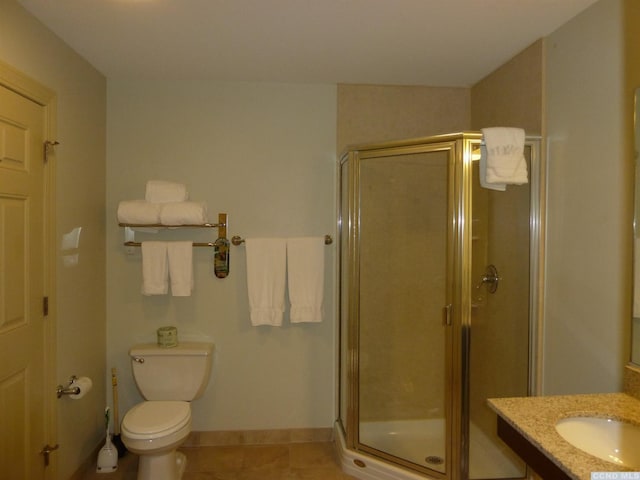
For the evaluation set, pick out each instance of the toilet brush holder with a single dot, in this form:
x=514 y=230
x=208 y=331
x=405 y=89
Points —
x=108 y=457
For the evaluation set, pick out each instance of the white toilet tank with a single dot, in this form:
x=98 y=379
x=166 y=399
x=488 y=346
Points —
x=176 y=373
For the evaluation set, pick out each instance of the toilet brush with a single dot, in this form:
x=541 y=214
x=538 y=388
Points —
x=108 y=456
x=116 y=440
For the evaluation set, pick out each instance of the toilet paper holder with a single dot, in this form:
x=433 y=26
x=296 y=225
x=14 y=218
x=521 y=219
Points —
x=70 y=389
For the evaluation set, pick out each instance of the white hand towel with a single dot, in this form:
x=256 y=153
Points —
x=266 y=268
x=181 y=268
x=154 y=268
x=305 y=268
x=161 y=191
x=183 y=213
x=138 y=212
x=505 y=162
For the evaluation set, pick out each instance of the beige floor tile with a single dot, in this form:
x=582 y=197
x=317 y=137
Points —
x=219 y=459
x=264 y=457
x=295 y=461
x=319 y=473
x=312 y=455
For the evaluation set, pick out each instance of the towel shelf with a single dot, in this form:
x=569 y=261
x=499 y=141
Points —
x=220 y=245
x=221 y=226
x=237 y=240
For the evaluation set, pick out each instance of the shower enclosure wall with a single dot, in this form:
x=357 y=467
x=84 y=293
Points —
x=438 y=308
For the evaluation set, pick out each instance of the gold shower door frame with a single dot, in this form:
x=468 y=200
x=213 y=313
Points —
x=462 y=150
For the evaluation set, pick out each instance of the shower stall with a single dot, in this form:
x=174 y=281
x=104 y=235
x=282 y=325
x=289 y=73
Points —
x=438 y=308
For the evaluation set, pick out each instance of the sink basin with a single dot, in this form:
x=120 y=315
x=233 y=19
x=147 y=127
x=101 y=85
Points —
x=612 y=440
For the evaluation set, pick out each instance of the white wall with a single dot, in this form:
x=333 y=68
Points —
x=80 y=191
x=587 y=289
x=264 y=154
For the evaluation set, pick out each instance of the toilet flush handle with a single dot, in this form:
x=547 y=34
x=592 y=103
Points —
x=138 y=359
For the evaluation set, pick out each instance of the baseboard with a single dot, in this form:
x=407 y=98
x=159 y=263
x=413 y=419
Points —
x=258 y=437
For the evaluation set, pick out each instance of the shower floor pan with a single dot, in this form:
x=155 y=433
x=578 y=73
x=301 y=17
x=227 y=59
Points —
x=419 y=441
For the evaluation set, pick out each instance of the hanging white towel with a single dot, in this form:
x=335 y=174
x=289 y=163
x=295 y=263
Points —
x=505 y=162
x=183 y=213
x=266 y=267
x=181 y=268
x=483 y=173
x=138 y=212
x=154 y=268
x=161 y=191
x=305 y=269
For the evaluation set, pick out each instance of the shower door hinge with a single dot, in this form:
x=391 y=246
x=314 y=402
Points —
x=45 y=306
x=447 y=315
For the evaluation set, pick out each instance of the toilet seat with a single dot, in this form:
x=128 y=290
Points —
x=155 y=419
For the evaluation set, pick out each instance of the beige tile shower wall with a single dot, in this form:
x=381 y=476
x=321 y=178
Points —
x=373 y=114
x=511 y=96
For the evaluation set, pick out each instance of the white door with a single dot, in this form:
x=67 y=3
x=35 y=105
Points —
x=24 y=335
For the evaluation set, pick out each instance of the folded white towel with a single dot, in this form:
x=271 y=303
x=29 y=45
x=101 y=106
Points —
x=266 y=266
x=138 y=212
x=505 y=162
x=183 y=213
x=161 y=191
x=181 y=268
x=154 y=268
x=305 y=269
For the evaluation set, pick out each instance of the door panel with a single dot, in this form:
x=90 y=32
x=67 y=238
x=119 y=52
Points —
x=22 y=329
x=404 y=233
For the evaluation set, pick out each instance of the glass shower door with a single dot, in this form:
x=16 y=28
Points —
x=500 y=318
x=404 y=226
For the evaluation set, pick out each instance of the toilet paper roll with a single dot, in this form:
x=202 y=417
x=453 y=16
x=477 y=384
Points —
x=84 y=384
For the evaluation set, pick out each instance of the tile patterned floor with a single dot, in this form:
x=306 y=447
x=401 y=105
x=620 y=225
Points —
x=293 y=461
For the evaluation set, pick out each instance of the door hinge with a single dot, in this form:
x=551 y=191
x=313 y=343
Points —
x=46 y=450
x=446 y=315
x=45 y=306
x=48 y=148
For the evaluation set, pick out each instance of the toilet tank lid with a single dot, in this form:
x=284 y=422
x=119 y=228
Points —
x=183 y=348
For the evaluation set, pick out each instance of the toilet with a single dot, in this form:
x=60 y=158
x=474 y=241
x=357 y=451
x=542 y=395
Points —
x=168 y=379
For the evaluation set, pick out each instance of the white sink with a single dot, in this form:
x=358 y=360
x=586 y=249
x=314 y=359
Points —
x=612 y=440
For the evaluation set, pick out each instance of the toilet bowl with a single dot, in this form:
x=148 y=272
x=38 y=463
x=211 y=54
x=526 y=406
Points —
x=155 y=428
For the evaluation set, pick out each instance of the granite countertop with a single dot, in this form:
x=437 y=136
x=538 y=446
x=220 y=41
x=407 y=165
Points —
x=535 y=419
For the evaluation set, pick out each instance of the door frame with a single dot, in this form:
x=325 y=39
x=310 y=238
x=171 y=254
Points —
x=20 y=83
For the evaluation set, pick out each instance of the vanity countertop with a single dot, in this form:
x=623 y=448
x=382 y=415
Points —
x=535 y=418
